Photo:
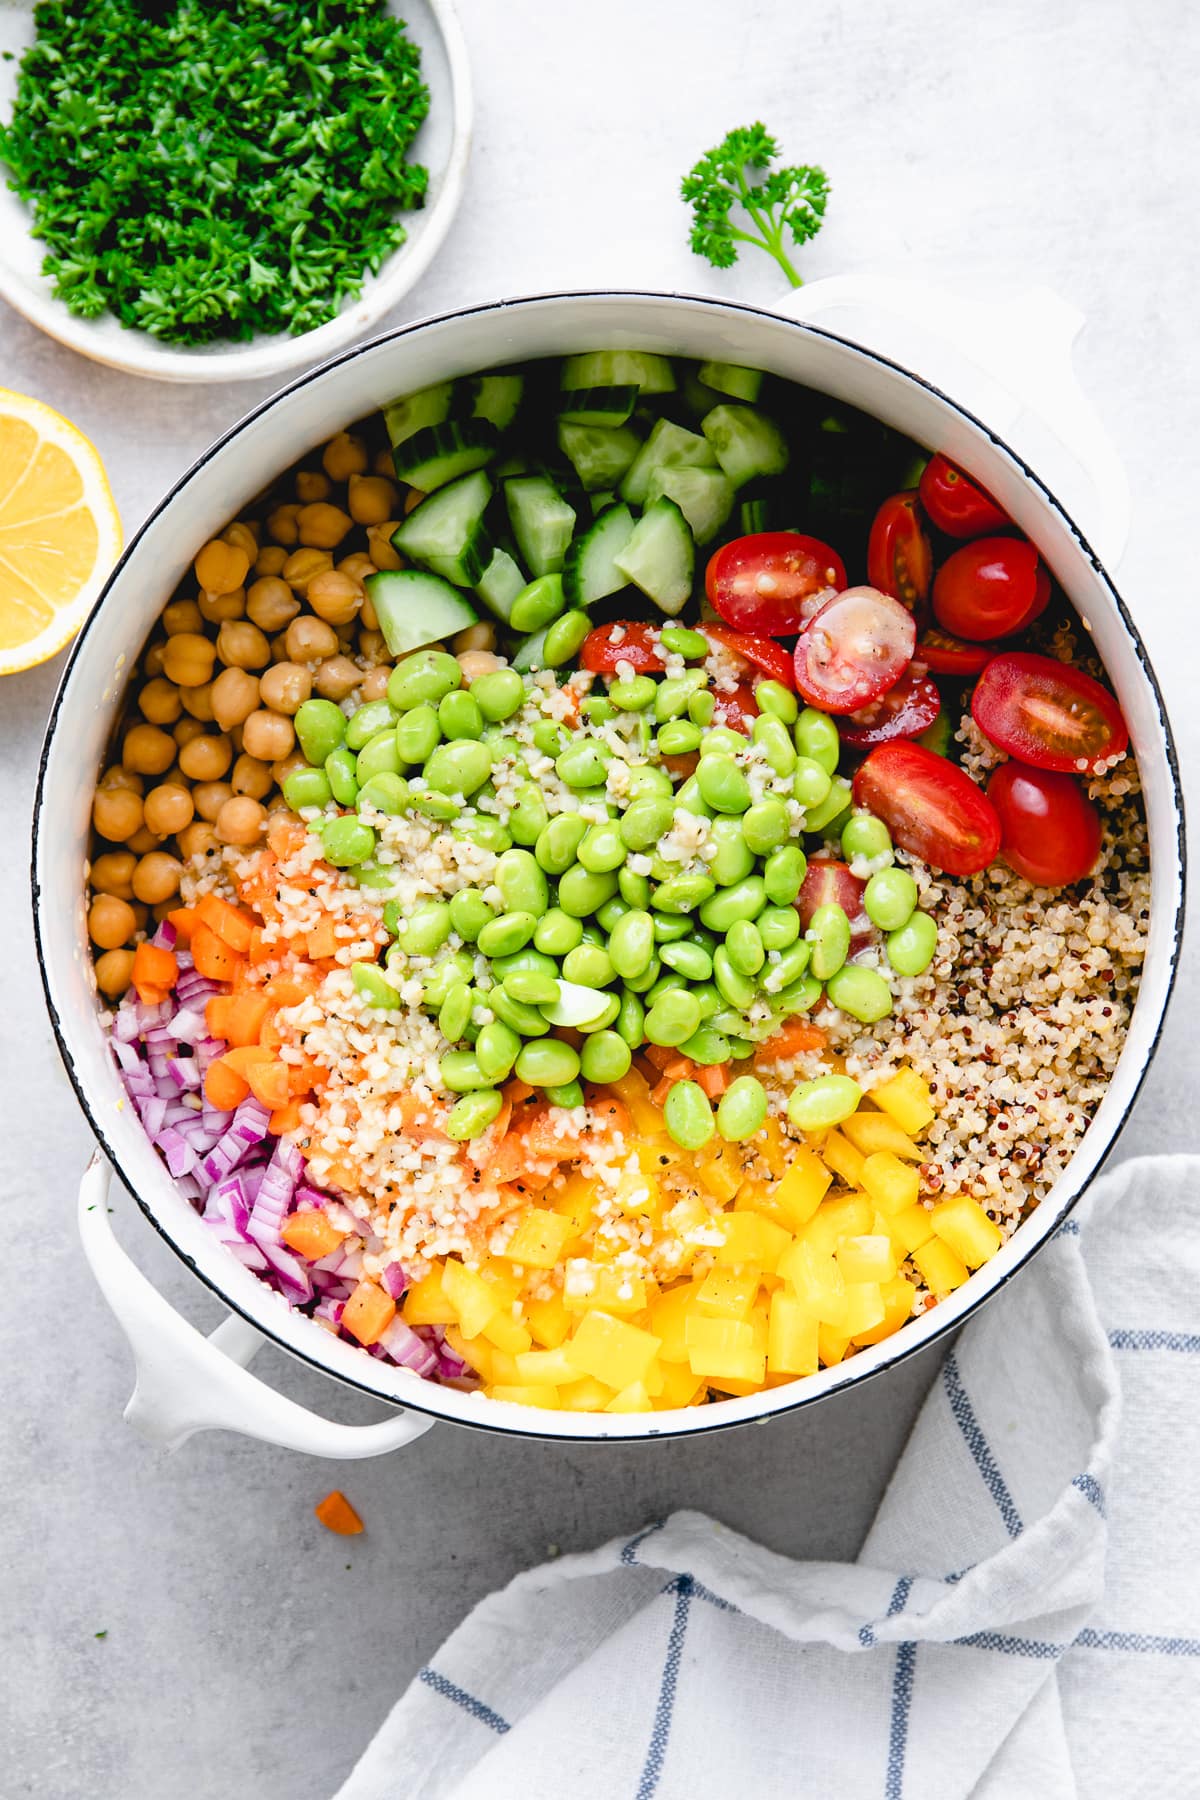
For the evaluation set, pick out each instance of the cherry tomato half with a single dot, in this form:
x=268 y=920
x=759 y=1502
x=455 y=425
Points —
x=1051 y=829
x=990 y=588
x=828 y=882
x=946 y=655
x=637 y=644
x=763 y=654
x=737 y=709
x=899 y=557
x=1047 y=713
x=905 y=711
x=854 y=650
x=766 y=583
x=956 y=504
x=930 y=807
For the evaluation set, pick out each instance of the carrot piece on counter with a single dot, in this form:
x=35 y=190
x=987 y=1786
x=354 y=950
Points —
x=155 y=972
x=183 y=918
x=311 y=1234
x=224 y=1088
x=212 y=956
x=369 y=1312
x=714 y=1079
x=285 y=1118
x=336 y=1514
x=231 y=926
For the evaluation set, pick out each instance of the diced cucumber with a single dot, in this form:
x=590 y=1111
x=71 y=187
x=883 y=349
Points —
x=704 y=496
x=446 y=531
x=754 y=515
x=496 y=398
x=746 y=442
x=439 y=454
x=530 y=651
x=598 y=406
x=517 y=462
x=415 y=608
x=601 y=501
x=500 y=584
x=600 y=454
x=731 y=378
x=590 y=570
x=619 y=368
x=416 y=412
x=660 y=557
x=542 y=522
x=668 y=445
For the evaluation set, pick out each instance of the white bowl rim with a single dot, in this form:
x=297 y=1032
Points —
x=936 y=1324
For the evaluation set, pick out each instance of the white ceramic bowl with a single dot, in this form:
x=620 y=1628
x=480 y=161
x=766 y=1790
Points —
x=443 y=144
x=186 y=1384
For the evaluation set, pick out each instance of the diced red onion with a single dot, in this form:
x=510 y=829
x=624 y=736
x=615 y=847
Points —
x=394 y=1279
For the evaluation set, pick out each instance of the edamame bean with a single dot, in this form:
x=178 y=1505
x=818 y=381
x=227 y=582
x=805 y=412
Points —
x=671 y=698
x=670 y=927
x=765 y=826
x=529 y=957
x=387 y=794
x=631 y=944
x=778 y=926
x=471 y=1116
x=707 y=994
x=683 y=893
x=602 y=849
x=454 y=1014
x=526 y=1020
x=866 y=836
x=634 y=694
x=529 y=817
x=890 y=898
x=608 y=914
x=780 y=702
x=635 y=889
x=459 y=768
x=774 y=739
x=831 y=808
x=307 y=787
x=810 y=783
x=641 y=984
x=370 y=875
x=589 y=966
x=679 y=737
x=744 y=900
x=745 y=947
x=469 y=913
x=687 y=959
x=549 y=1062
x=565 y=638
x=819 y=1105
x=783 y=875
x=669 y=982
x=500 y=937
x=346 y=842
x=488 y=833
x=523 y=886
x=534 y=987
x=605 y=1056
x=557 y=932
x=569 y=1095
x=583 y=764
x=648 y=781
x=320 y=727
x=456 y=967
x=367 y=722
x=706 y=1046
x=581 y=893
x=422 y=679
x=371 y=982
x=861 y=992
x=496 y=1049
x=829 y=934
x=801 y=997
x=690 y=799
x=681 y=640
x=460 y=1072
x=701 y=707
x=722 y=784
x=379 y=756
x=418 y=734
x=549 y=737
x=742 y=1109
x=598 y=709
x=734 y=859
x=793 y=963
x=443 y=808
x=538 y=604
x=341 y=772
x=425 y=929
x=911 y=948
x=722 y=741
x=459 y=715
x=688 y=1115
x=602 y=1021
x=731 y=984
x=556 y=846
x=673 y=1017
x=499 y=694
x=816 y=736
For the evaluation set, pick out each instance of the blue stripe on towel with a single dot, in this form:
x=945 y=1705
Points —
x=1144 y=1643
x=629 y=1552
x=661 y=1732
x=902 y=1691
x=1091 y=1490
x=450 y=1691
x=900 y=1593
x=968 y=1424
x=1185 y=1341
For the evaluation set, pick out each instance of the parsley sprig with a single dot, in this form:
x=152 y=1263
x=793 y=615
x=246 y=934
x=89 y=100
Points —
x=210 y=171
x=787 y=200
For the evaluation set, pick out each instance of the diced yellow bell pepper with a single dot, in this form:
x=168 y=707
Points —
x=831 y=1345
x=756 y=1195
x=654 y=1378
x=545 y=1368
x=728 y=1293
x=633 y=1089
x=907 y=1099
x=475 y=1302
x=548 y=1320
x=719 y=1348
x=477 y=1353
x=791 y=1336
x=892 y=1184
x=864 y=1308
x=508 y=1333
x=587 y=1395
x=679 y=1387
x=611 y=1350
x=840 y=1155
x=594 y=1284
x=816 y=1279
x=898 y=1295
x=503 y=1366
x=720 y=1170
x=847 y=1216
x=634 y=1398
x=867 y=1258
x=871 y=1132
x=774 y=1147
x=574 y=1201
x=540 y=1238
x=500 y=1277
x=425 y=1302
x=657 y=1155
x=940 y=1269
x=802 y=1186
x=545 y=1397
x=962 y=1223
x=910 y=1229
x=749 y=1238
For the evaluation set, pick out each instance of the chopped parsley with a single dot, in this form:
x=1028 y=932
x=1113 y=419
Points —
x=789 y=200
x=211 y=169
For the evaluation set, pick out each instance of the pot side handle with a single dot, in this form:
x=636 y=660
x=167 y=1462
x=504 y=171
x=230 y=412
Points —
x=187 y=1382
x=1008 y=360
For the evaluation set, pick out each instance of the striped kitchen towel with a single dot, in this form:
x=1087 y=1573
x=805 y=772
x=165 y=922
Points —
x=1023 y=1622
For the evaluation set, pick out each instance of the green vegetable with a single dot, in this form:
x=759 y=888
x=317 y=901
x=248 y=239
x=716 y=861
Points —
x=787 y=200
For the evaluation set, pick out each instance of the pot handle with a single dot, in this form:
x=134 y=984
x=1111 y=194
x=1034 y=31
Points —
x=187 y=1382
x=1008 y=360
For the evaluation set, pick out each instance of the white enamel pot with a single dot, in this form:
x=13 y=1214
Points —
x=1048 y=463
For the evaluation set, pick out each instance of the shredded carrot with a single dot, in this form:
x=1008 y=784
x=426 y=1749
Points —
x=714 y=1079
x=183 y=918
x=224 y=1088
x=790 y=1040
x=212 y=956
x=155 y=972
x=238 y=1018
x=311 y=1235
x=336 y=1514
x=231 y=926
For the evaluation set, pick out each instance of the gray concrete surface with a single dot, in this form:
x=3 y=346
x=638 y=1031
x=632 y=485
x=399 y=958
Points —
x=246 y=1651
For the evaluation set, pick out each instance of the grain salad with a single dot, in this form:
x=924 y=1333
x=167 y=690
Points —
x=601 y=977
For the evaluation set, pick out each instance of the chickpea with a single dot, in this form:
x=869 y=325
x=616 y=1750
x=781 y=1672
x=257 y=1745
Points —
x=182 y=615
x=217 y=608
x=197 y=839
x=282 y=525
x=234 y=697
x=243 y=536
x=271 y=603
x=323 y=526
x=310 y=640
x=241 y=821
x=112 y=873
x=111 y=922
x=118 y=776
x=476 y=637
x=168 y=809
x=368 y=618
x=358 y=564
x=372 y=648
x=372 y=499
x=221 y=566
x=384 y=463
x=336 y=677
x=285 y=686
x=374 y=682
x=268 y=735
x=379 y=545
x=147 y=750
x=114 y=972
x=241 y=645
x=344 y=457
x=198 y=702
x=117 y=814
x=143 y=841
x=475 y=663
x=279 y=649
x=206 y=758
x=270 y=560
x=156 y=877
x=209 y=797
x=152 y=660
x=311 y=486
x=187 y=729
x=188 y=658
x=302 y=565
x=282 y=769
x=249 y=776
x=412 y=500
x=159 y=702
x=334 y=597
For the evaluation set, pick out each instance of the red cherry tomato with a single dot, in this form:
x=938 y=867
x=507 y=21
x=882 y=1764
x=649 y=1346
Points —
x=766 y=583
x=830 y=883
x=1047 y=713
x=638 y=644
x=930 y=807
x=854 y=649
x=899 y=558
x=1051 y=829
x=990 y=588
x=946 y=655
x=956 y=504
x=905 y=711
x=763 y=654
x=737 y=709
